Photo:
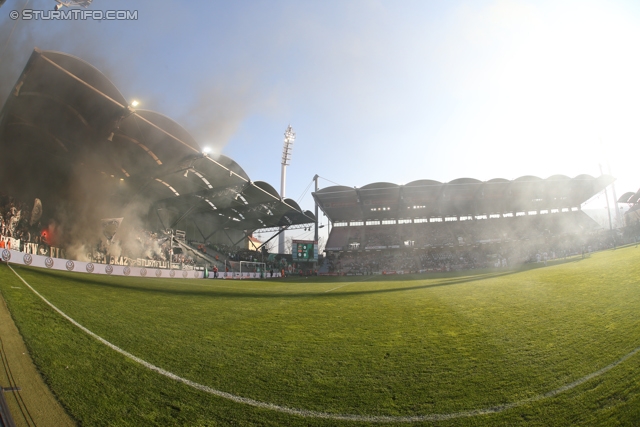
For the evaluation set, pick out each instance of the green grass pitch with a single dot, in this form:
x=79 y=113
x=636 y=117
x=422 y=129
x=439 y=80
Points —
x=376 y=347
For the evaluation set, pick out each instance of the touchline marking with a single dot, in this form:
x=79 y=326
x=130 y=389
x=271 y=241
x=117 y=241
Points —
x=337 y=288
x=237 y=288
x=327 y=415
x=213 y=285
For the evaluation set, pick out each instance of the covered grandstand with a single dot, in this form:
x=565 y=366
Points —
x=434 y=217
x=72 y=140
x=632 y=216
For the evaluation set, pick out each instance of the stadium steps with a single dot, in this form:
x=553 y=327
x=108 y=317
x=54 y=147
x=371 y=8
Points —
x=210 y=259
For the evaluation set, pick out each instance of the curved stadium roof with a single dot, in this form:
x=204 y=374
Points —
x=464 y=196
x=630 y=197
x=65 y=116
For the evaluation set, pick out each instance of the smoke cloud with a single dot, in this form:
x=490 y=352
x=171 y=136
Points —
x=217 y=112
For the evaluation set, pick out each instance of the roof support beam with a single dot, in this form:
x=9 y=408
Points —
x=160 y=219
x=273 y=237
x=184 y=215
x=246 y=234
x=199 y=231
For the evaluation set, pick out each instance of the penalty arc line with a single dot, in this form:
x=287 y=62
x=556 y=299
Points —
x=328 y=415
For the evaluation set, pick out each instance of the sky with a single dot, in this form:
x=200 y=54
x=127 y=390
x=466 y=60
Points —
x=391 y=91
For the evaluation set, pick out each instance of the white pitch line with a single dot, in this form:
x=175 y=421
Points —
x=327 y=415
x=213 y=285
x=337 y=288
x=251 y=289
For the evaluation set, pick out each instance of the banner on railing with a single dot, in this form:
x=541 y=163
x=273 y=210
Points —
x=236 y=275
x=52 y=263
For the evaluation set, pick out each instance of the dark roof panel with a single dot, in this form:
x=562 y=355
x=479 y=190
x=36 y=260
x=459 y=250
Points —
x=464 y=181
x=86 y=72
x=625 y=197
x=378 y=185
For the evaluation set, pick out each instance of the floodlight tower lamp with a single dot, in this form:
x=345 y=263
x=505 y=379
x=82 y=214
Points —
x=287 y=148
x=289 y=138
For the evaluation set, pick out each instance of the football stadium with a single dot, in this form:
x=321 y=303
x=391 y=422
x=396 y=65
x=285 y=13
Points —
x=135 y=290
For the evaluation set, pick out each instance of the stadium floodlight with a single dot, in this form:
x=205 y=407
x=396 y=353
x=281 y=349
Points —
x=287 y=148
x=80 y=3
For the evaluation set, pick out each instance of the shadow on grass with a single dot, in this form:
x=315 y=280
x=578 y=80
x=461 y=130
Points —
x=213 y=290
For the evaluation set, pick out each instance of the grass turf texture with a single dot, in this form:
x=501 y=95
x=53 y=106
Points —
x=407 y=345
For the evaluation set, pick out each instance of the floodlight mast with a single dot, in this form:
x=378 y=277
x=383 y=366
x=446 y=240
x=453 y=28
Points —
x=287 y=148
x=606 y=195
x=315 y=235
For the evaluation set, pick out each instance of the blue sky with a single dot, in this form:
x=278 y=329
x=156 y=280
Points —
x=375 y=90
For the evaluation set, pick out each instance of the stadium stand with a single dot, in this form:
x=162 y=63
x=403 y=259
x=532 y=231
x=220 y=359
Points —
x=632 y=215
x=465 y=224
x=77 y=144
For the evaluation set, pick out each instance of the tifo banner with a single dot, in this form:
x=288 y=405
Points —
x=36 y=212
x=110 y=227
x=42 y=261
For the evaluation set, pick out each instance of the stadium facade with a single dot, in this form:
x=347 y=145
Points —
x=632 y=216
